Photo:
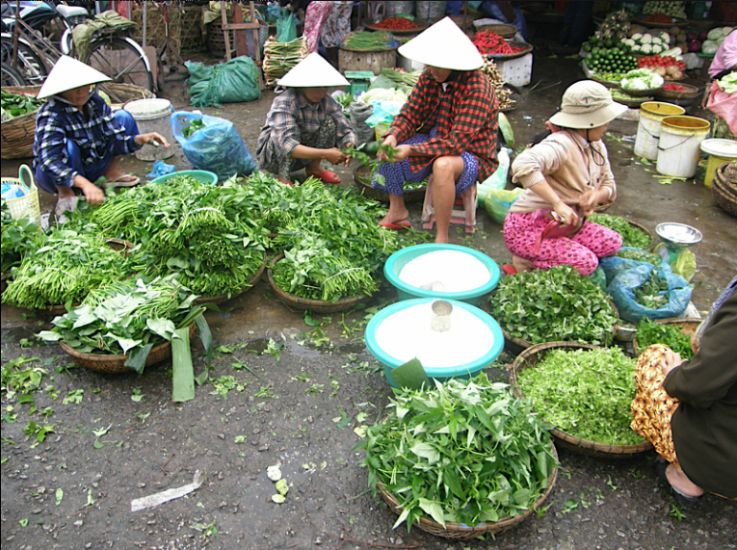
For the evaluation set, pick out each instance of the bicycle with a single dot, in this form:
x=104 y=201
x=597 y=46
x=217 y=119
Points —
x=11 y=77
x=27 y=49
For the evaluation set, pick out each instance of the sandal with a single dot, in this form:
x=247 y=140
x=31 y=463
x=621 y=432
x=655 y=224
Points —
x=660 y=467
x=326 y=176
x=126 y=180
x=396 y=226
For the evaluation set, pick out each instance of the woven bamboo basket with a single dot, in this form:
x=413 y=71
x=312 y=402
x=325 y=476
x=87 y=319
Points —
x=305 y=304
x=459 y=531
x=687 y=326
x=115 y=364
x=219 y=299
x=18 y=133
x=724 y=188
x=528 y=359
x=362 y=180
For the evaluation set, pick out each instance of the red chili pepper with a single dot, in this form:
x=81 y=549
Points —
x=488 y=42
x=396 y=24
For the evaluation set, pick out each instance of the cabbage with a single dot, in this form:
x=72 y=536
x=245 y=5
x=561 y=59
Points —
x=709 y=47
x=646 y=38
x=641 y=79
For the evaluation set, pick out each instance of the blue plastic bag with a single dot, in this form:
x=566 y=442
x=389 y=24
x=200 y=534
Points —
x=160 y=168
x=217 y=147
x=629 y=275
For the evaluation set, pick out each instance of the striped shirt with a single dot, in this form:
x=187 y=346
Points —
x=93 y=130
x=293 y=115
x=465 y=113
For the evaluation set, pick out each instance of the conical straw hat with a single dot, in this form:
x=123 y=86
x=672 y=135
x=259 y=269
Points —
x=313 y=72
x=444 y=45
x=67 y=74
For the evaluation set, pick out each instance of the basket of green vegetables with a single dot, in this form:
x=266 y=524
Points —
x=430 y=458
x=585 y=393
x=674 y=333
x=126 y=326
x=633 y=234
x=556 y=304
x=19 y=107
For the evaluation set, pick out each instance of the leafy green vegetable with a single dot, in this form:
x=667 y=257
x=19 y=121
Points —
x=62 y=271
x=556 y=304
x=653 y=293
x=128 y=317
x=192 y=127
x=650 y=332
x=631 y=235
x=15 y=105
x=639 y=255
x=466 y=451
x=19 y=237
x=586 y=393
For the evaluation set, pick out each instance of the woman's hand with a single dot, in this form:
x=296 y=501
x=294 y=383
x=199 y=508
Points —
x=151 y=137
x=389 y=141
x=334 y=155
x=402 y=152
x=565 y=214
x=671 y=360
x=589 y=201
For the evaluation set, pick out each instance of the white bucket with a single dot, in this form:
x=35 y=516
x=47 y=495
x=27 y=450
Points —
x=680 y=145
x=152 y=115
x=648 y=129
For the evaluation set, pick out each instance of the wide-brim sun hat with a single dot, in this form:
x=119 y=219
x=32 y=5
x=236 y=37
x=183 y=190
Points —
x=68 y=74
x=444 y=45
x=587 y=104
x=313 y=72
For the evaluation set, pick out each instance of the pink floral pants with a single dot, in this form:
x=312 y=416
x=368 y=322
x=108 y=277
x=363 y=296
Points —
x=523 y=237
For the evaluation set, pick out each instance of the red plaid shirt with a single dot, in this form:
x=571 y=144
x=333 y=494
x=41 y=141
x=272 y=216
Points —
x=465 y=115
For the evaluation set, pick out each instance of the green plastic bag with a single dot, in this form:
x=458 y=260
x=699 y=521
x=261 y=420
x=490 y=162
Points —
x=286 y=27
x=230 y=82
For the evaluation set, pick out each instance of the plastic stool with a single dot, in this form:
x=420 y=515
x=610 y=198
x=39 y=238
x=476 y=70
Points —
x=463 y=212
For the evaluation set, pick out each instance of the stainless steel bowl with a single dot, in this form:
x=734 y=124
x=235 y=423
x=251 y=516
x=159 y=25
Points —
x=678 y=233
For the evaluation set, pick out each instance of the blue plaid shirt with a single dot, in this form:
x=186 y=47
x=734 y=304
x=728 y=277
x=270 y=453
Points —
x=93 y=130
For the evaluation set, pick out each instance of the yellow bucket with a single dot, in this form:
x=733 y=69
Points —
x=648 y=129
x=679 y=145
x=719 y=151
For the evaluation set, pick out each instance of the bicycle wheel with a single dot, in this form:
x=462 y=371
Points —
x=28 y=63
x=11 y=77
x=122 y=60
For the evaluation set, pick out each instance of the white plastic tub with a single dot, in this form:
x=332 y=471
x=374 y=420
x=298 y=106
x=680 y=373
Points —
x=152 y=115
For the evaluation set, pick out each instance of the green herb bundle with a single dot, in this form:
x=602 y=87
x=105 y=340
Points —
x=209 y=235
x=586 y=393
x=19 y=237
x=128 y=317
x=15 y=105
x=192 y=127
x=556 y=304
x=64 y=270
x=640 y=255
x=650 y=332
x=368 y=40
x=466 y=451
x=653 y=292
x=631 y=235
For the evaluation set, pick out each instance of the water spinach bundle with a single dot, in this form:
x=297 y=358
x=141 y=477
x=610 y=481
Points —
x=65 y=269
x=551 y=305
x=586 y=393
x=466 y=451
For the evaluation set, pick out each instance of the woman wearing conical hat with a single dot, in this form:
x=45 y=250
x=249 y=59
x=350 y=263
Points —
x=305 y=125
x=446 y=129
x=78 y=137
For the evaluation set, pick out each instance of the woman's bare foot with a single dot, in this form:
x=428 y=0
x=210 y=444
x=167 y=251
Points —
x=521 y=264
x=681 y=483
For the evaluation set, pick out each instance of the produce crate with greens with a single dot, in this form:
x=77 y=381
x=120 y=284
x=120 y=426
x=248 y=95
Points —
x=463 y=452
x=585 y=393
x=128 y=317
x=65 y=269
x=632 y=236
x=649 y=332
x=19 y=237
x=556 y=304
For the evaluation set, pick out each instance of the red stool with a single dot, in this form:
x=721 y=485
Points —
x=463 y=212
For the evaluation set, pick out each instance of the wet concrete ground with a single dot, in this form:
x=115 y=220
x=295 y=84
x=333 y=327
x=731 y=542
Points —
x=300 y=409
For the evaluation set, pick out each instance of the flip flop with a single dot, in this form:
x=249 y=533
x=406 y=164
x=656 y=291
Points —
x=126 y=180
x=326 y=176
x=509 y=269
x=397 y=226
